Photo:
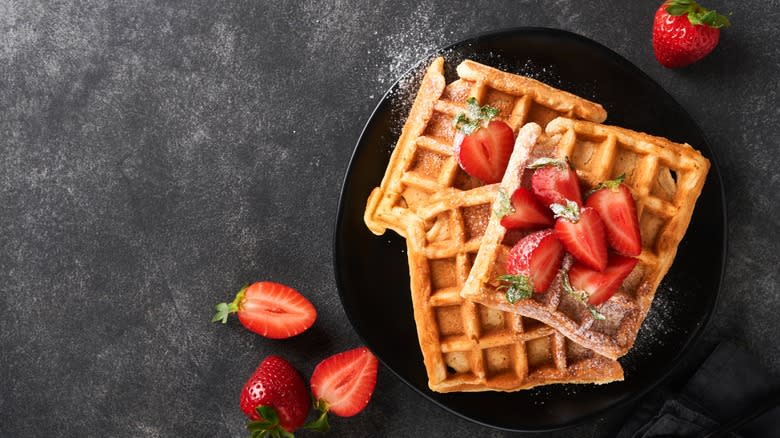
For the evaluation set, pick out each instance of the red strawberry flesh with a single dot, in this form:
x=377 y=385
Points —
x=527 y=212
x=684 y=33
x=617 y=209
x=537 y=256
x=600 y=286
x=345 y=381
x=484 y=154
x=276 y=384
x=275 y=311
x=555 y=184
x=584 y=238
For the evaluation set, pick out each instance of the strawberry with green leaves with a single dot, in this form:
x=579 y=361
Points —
x=522 y=210
x=487 y=143
x=600 y=286
x=685 y=32
x=269 y=309
x=617 y=209
x=275 y=399
x=531 y=265
x=555 y=182
x=581 y=232
x=343 y=384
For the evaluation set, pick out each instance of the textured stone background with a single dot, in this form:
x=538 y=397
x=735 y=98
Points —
x=156 y=155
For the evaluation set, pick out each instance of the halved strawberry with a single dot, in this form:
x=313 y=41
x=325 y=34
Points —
x=269 y=309
x=343 y=384
x=617 y=209
x=484 y=154
x=555 y=182
x=532 y=264
x=601 y=285
x=525 y=211
x=582 y=234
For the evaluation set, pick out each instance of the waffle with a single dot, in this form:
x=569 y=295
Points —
x=423 y=162
x=468 y=346
x=665 y=179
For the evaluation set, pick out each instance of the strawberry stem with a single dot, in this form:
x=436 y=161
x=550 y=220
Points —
x=580 y=295
x=518 y=287
x=696 y=13
x=268 y=425
x=321 y=423
x=547 y=161
x=570 y=211
x=225 y=309
x=503 y=204
x=611 y=184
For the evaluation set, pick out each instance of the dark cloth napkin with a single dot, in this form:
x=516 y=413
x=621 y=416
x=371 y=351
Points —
x=730 y=395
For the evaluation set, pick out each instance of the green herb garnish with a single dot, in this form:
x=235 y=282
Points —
x=518 y=287
x=475 y=117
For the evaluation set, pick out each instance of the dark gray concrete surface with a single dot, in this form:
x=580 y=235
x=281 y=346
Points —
x=154 y=156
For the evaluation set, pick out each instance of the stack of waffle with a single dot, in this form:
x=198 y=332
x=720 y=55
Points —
x=471 y=338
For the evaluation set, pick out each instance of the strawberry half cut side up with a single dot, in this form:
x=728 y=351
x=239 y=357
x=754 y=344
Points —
x=532 y=265
x=269 y=309
x=483 y=144
x=600 y=286
x=582 y=233
x=275 y=398
x=484 y=154
x=555 y=182
x=617 y=209
x=523 y=211
x=684 y=32
x=343 y=384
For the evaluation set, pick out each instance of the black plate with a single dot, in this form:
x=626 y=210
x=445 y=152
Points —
x=372 y=273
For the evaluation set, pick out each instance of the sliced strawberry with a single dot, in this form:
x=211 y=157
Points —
x=526 y=212
x=617 y=209
x=555 y=182
x=269 y=309
x=484 y=154
x=343 y=383
x=275 y=396
x=537 y=257
x=582 y=234
x=601 y=285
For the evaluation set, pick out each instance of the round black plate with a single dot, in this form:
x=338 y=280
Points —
x=372 y=274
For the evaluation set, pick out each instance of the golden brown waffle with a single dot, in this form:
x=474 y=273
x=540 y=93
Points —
x=665 y=179
x=423 y=162
x=468 y=346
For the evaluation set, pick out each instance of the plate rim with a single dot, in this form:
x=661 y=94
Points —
x=676 y=362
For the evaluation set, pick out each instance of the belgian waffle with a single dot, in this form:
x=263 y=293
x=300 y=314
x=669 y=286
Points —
x=423 y=162
x=468 y=346
x=665 y=179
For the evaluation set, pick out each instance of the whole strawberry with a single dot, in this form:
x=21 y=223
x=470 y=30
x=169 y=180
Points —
x=684 y=32
x=275 y=398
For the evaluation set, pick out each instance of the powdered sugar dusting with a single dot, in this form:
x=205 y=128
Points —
x=420 y=36
x=658 y=329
